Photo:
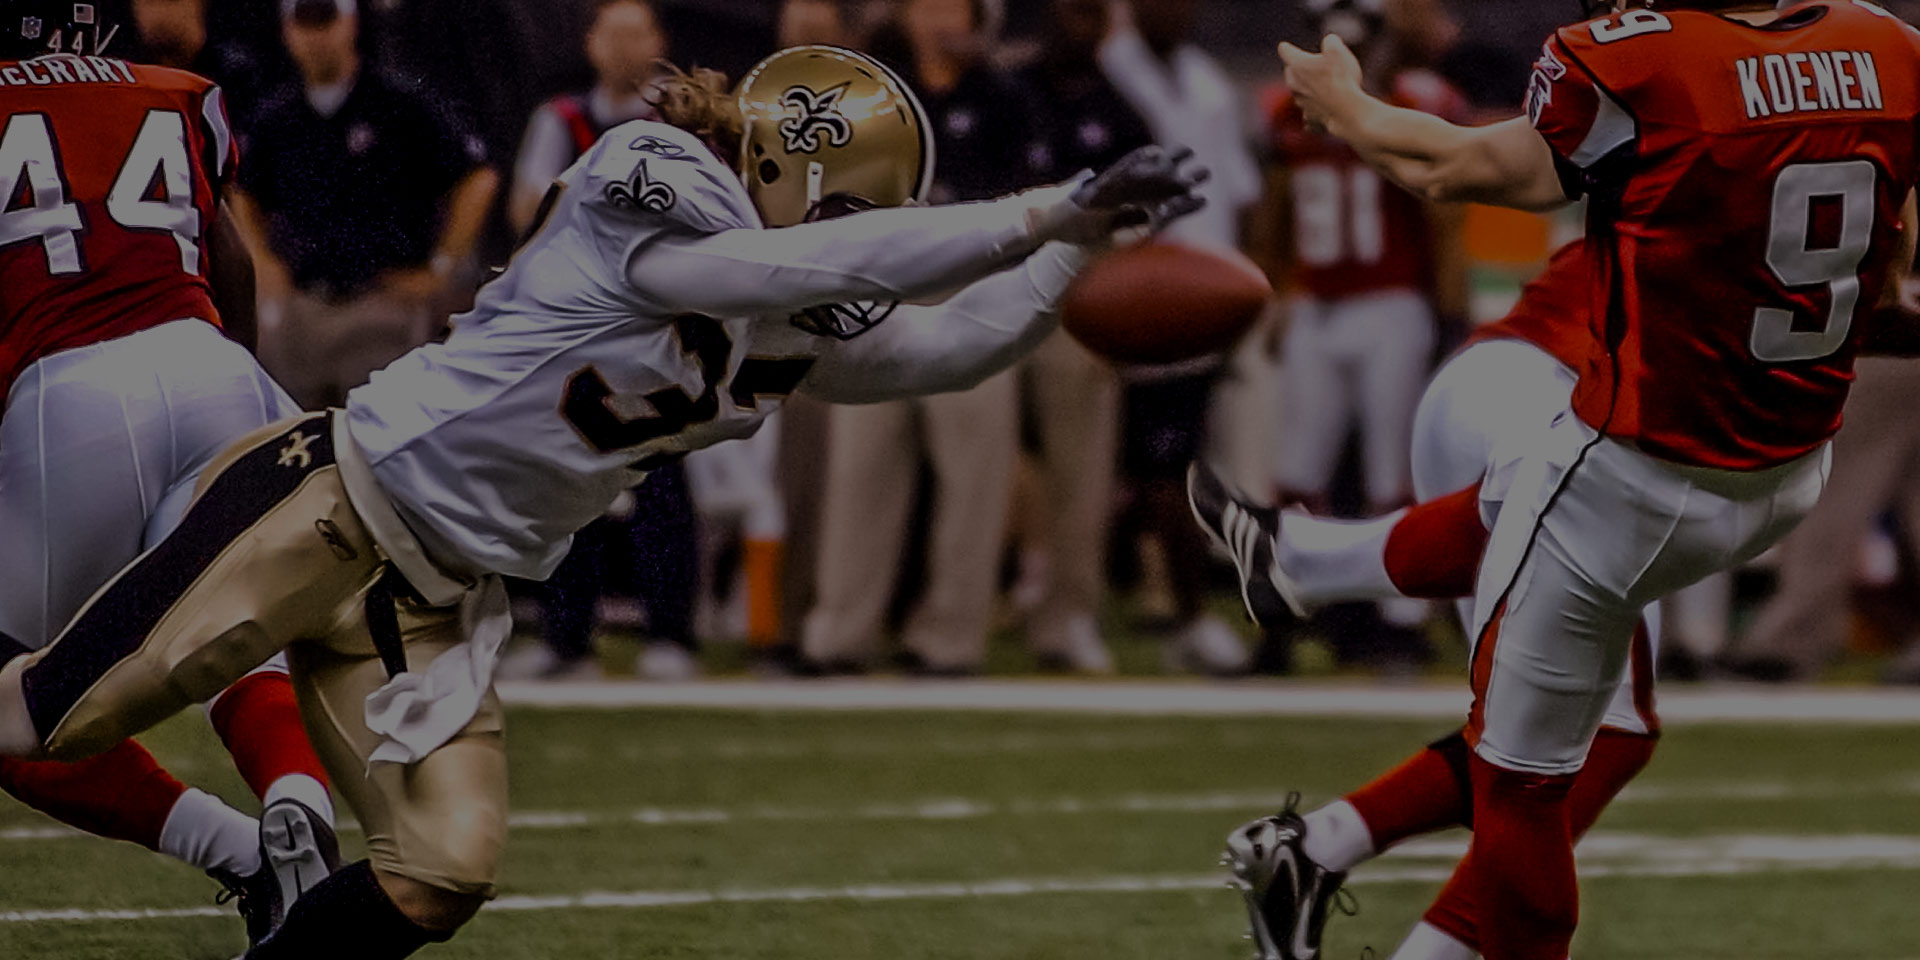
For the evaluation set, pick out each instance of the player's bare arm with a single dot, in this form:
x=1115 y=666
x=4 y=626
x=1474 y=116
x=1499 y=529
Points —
x=1504 y=164
x=272 y=278
x=230 y=273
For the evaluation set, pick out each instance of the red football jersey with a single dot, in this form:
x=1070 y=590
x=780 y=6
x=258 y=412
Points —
x=1747 y=184
x=112 y=174
x=1554 y=312
x=1354 y=232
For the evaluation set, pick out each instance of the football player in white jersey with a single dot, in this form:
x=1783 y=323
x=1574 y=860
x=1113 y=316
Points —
x=683 y=278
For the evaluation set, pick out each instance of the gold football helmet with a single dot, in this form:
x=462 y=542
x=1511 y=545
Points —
x=827 y=124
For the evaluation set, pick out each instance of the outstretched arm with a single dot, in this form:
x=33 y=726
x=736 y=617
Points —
x=880 y=255
x=1505 y=164
x=910 y=253
x=954 y=345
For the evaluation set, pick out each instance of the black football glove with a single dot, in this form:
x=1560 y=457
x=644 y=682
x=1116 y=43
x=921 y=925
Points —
x=1149 y=187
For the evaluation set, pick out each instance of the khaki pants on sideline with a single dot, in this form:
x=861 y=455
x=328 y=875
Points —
x=971 y=439
x=318 y=349
x=1075 y=399
x=1875 y=457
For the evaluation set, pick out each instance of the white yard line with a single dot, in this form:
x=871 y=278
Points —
x=1713 y=704
x=964 y=808
x=1621 y=855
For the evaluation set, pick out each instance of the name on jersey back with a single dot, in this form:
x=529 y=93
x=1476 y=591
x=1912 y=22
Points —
x=58 y=69
x=1778 y=84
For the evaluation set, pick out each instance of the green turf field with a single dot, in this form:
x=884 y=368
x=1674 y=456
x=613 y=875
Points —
x=845 y=836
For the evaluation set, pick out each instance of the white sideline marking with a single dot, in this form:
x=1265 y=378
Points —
x=962 y=808
x=1712 y=704
x=1619 y=855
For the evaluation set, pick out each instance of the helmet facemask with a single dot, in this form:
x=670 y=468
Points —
x=841 y=321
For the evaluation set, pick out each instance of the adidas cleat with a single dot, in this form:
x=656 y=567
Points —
x=1248 y=532
x=1288 y=896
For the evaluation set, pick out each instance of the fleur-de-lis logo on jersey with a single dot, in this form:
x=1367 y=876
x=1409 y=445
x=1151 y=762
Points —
x=642 y=192
x=812 y=114
x=295 y=453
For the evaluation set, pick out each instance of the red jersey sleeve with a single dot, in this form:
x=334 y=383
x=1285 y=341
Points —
x=1584 y=126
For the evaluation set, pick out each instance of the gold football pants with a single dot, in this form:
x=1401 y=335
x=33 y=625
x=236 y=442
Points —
x=272 y=556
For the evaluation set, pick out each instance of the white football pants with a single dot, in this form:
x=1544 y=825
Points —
x=1360 y=359
x=1588 y=531
x=100 y=448
x=1509 y=389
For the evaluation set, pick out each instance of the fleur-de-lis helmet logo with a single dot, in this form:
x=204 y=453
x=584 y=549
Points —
x=813 y=114
x=642 y=193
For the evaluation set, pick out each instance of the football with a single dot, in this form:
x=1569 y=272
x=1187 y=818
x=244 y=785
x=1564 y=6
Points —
x=1163 y=303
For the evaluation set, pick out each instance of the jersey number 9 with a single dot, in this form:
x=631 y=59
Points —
x=1796 y=264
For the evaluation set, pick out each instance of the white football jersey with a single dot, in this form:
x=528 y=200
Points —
x=569 y=379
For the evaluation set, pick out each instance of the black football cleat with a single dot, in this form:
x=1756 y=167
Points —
x=1288 y=896
x=297 y=851
x=1248 y=532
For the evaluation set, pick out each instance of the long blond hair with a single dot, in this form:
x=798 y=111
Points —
x=701 y=103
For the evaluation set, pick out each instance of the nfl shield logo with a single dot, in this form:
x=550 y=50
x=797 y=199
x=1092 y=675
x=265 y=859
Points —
x=30 y=28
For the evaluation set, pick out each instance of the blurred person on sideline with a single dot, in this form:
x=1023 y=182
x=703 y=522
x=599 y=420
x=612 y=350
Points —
x=804 y=23
x=655 y=529
x=1080 y=122
x=1187 y=100
x=625 y=45
x=969 y=438
x=175 y=33
x=801 y=469
x=1876 y=470
x=360 y=201
x=1372 y=272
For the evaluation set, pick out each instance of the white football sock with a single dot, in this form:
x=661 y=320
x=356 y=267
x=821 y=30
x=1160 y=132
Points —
x=1335 y=560
x=1427 y=942
x=206 y=833
x=307 y=790
x=1337 y=839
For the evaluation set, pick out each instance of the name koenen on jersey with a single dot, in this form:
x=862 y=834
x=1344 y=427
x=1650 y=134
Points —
x=651 y=315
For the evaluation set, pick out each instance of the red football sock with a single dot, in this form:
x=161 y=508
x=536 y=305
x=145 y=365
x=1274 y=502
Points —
x=1522 y=864
x=1428 y=792
x=259 y=722
x=122 y=794
x=1616 y=758
x=1434 y=551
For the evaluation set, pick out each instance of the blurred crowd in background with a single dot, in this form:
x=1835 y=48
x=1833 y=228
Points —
x=394 y=149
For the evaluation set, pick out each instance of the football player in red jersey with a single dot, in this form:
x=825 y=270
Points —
x=1748 y=170
x=1371 y=265
x=119 y=390
x=1503 y=386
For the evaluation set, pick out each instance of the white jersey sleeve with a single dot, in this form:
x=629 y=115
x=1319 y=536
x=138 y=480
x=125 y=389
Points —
x=950 y=346
x=877 y=256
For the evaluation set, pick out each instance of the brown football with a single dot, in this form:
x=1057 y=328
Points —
x=1163 y=303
